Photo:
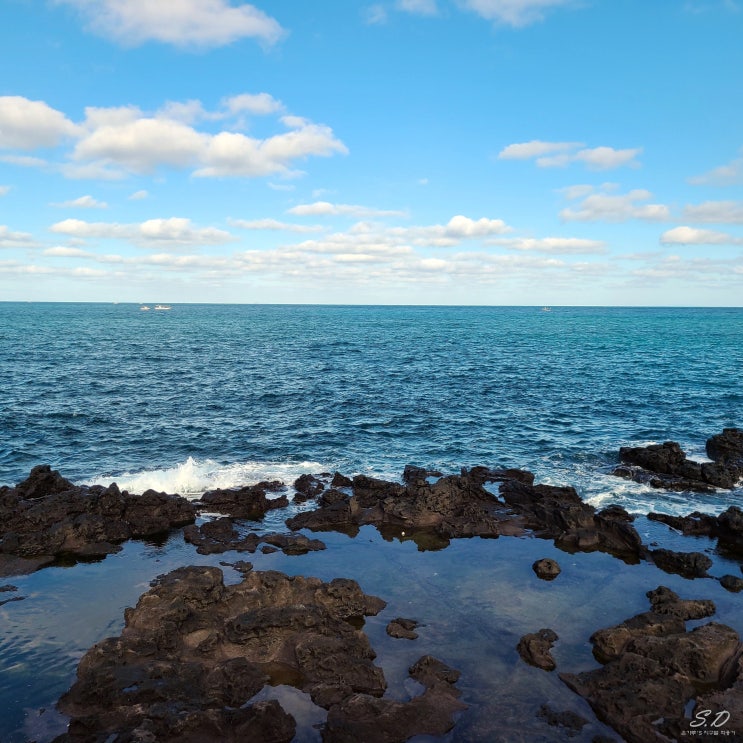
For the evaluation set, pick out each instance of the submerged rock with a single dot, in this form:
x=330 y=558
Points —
x=546 y=569
x=688 y=564
x=653 y=668
x=195 y=651
x=535 y=648
x=46 y=516
x=402 y=628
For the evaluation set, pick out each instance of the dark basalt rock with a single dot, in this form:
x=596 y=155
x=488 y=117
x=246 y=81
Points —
x=688 y=564
x=535 y=648
x=653 y=668
x=340 y=481
x=403 y=629
x=559 y=513
x=307 y=487
x=726 y=447
x=332 y=495
x=546 y=569
x=413 y=475
x=362 y=717
x=732 y=583
x=221 y=535
x=453 y=506
x=249 y=502
x=46 y=516
x=727 y=528
x=194 y=651
x=666 y=466
x=569 y=721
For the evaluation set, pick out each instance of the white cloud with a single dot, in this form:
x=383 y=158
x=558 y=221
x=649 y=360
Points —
x=183 y=23
x=534 y=148
x=113 y=142
x=418 y=7
x=375 y=15
x=139 y=195
x=326 y=208
x=172 y=232
x=4 y=190
x=553 y=245
x=620 y=208
x=515 y=13
x=62 y=251
x=560 y=154
x=691 y=236
x=83 y=202
x=260 y=104
x=720 y=212
x=730 y=174
x=10 y=239
x=273 y=224
x=27 y=125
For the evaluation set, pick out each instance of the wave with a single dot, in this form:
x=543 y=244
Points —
x=194 y=477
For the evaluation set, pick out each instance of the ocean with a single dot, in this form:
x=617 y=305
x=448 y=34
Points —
x=202 y=396
x=205 y=396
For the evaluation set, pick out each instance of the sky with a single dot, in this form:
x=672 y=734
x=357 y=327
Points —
x=487 y=152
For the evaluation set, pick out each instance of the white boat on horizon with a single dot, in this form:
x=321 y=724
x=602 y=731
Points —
x=144 y=307
x=544 y=309
x=162 y=307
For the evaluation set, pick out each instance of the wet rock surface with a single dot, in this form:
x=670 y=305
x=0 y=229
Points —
x=222 y=535
x=47 y=516
x=402 y=628
x=688 y=564
x=249 y=502
x=727 y=528
x=546 y=568
x=654 y=667
x=571 y=722
x=666 y=465
x=195 y=651
x=535 y=649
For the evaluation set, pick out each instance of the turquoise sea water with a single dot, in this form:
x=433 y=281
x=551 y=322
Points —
x=206 y=395
x=203 y=396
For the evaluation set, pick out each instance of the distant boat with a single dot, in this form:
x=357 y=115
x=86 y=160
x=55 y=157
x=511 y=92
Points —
x=162 y=307
x=544 y=309
x=144 y=307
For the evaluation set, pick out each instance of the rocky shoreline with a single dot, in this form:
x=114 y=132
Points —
x=195 y=650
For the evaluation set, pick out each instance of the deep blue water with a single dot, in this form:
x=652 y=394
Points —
x=206 y=395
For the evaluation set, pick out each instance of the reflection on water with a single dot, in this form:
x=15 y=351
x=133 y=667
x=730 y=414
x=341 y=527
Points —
x=474 y=600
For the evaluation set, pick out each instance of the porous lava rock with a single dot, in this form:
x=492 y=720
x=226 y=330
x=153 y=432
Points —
x=571 y=722
x=453 y=506
x=688 y=564
x=559 y=513
x=47 y=516
x=727 y=528
x=363 y=717
x=536 y=649
x=194 y=652
x=222 y=535
x=546 y=568
x=654 y=667
x=402 y=628
x=307 y=487
x=249 y=502
x=666 y=465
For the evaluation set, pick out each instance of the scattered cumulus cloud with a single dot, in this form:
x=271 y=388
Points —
x=139 y=195
x=561 y=154
x=274 y=225
x=28 y=125
x=608 y=207
x=720 y=212
x=4 y=190
x=730 y=174
x=692 y=236
x=326 y=208
x=172 y=232
x=375 y=15
x=517 y=13
x=554 y=245
x=83 y=202
x=11 y=239
x=182 y=23
x=114 y=142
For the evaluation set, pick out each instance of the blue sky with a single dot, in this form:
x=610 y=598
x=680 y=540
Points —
x=403 y=151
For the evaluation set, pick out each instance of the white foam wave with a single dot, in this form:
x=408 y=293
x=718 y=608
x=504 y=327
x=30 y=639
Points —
x=194 y=477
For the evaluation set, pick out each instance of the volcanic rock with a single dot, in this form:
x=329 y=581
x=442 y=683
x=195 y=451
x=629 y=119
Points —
x=732 y=583
x=727 y=528
x=307 y=487
x=726 y=447
x=46 y=516
x=402 y=628
x=571 y=722
x=546 y=569
x=249 y=502
x=653 y=668
x=535 y=649
x=688 y=564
